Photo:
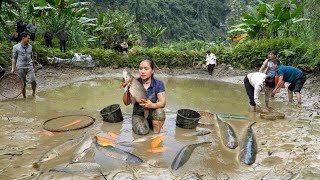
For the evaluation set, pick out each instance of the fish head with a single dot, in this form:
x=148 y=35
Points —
x=127 y=76
x=48 y=157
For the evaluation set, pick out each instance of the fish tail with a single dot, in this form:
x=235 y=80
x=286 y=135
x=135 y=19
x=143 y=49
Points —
x=252 y=124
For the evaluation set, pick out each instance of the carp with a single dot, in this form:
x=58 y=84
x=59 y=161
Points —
x=227 y=134
x=76 y=167
x=140 y=125
x=198 y=133
x=136 y=89
x=118 y=153
x=60 y=149
x=184 y=155
x=248 y=149
x=82 y=149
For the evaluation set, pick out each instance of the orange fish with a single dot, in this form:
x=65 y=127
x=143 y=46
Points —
x=157 y=149
x=104 y=143
x=72 y=123
x=112 y=134
x=47 y=133
x=105 y=139
x=156 y=141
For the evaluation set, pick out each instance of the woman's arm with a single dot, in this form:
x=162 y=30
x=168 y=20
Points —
x=161 y=103
x=264 y=66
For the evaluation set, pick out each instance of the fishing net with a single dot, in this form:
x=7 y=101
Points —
x=68 y=123
x=207 y=119
x=11 y=85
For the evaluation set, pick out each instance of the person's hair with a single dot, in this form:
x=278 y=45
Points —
x=24 y=34
x=20 y=17
x=276 y=61
x=274 y=52
x=270 y=82
x=208 y=51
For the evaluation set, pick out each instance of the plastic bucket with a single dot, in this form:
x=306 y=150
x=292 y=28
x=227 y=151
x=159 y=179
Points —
x=187 y=118
x=112 y=113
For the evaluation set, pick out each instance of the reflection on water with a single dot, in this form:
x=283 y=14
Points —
x=21 y=126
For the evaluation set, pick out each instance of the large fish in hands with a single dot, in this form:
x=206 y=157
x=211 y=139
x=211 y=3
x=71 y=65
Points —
x=136 y=89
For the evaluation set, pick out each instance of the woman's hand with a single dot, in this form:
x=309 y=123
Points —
x=147 y=104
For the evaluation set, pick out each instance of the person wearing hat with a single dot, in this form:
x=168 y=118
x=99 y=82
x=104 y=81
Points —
x=255 y=83
x=292 y=75
x=23 y=63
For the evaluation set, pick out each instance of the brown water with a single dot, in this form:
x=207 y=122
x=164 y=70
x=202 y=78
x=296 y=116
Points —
x=23 y=142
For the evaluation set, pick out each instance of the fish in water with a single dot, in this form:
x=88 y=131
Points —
x=248 y=149
x=76 y=167
x=136 y=89
x=148 y=137
x=227 y=134
x=184 y=155
x=105 y=139
x=157 y=149
x=72 y=123
x=118 y=153
x=112 y=134
x=156 y=141
x=140 y=125
x=198 y=133
x=82 y=149
x=60 y=149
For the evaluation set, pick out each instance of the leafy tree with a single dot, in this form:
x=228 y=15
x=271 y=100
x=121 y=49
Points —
x=153 y=32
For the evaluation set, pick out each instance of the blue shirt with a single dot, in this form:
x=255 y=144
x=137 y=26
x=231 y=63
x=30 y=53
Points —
x=289 y=73
x=156 y=86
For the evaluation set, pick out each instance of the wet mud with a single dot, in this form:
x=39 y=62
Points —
x=286 y=148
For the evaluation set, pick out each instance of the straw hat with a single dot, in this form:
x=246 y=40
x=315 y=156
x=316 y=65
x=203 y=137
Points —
x=11 y=85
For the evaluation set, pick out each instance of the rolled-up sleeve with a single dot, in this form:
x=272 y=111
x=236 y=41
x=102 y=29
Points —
x=161 y=87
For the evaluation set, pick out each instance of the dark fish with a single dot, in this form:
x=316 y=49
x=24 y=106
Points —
x=248 y=149
x=60 y=149
x=227 y=134
x=136 y=89
x=140 y=125
x=82 y=149
x=118 y=153
x=184 y=155
x=76 y=167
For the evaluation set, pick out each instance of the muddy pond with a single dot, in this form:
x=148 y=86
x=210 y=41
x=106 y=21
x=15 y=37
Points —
x=287 y=148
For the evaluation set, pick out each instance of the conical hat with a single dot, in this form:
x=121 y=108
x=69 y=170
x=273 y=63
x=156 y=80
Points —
x=11 y=85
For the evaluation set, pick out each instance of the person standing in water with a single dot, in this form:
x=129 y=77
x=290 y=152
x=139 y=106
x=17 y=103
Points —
x=156 y=96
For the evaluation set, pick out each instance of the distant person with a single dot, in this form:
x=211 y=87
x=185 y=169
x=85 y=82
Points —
x=255 y=83
x=32 y=29
x=14 y=37
x=21 y=26
x=23 y=63
x=292 y=75
x=62 y=35
x=124 y=47
x=267 y=67
x=210 y=62
x=48 y=36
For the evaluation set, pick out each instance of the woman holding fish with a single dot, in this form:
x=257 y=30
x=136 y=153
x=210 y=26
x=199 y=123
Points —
x=147 y=94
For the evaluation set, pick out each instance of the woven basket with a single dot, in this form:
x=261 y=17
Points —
x=11 y=85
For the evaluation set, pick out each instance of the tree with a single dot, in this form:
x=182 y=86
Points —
x=153 y=32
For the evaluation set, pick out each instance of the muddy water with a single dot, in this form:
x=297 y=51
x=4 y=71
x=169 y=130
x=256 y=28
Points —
x=286 y=144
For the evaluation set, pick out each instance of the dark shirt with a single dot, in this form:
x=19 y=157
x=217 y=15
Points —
x=13 y=39
x=48 y=36
x=289 y=73
x=21 y=26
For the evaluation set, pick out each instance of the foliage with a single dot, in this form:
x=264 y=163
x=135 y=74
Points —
x=266 y=20
x=153 y=32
